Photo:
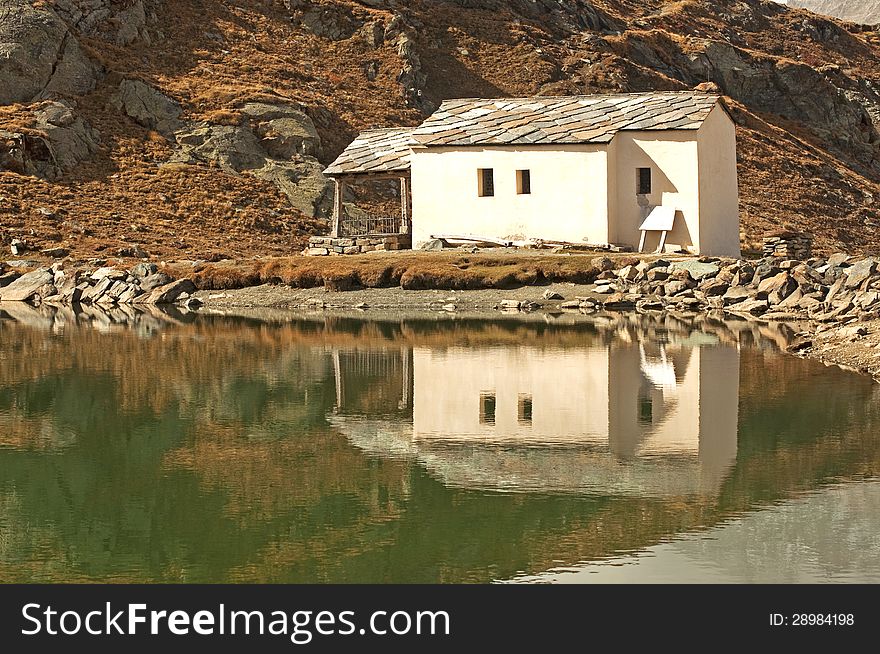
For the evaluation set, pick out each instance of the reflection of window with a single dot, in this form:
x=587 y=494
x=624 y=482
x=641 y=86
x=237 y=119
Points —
x=524 y=409
x=646 y=410
x=486 y=179
x=644 y=181
x=487 y=408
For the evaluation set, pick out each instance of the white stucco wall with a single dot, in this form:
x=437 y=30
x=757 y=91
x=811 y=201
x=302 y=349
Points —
x=719 y=189
x=672 y=158
x=569 y=200
x=587 y=193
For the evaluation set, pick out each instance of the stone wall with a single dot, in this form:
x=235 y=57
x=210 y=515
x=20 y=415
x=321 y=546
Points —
x=789 y=245
x=323 y=246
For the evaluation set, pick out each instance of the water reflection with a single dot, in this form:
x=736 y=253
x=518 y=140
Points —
x=615 y=417
x=827 y=536
x=177 y=447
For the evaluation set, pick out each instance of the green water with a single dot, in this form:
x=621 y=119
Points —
x=218 y=449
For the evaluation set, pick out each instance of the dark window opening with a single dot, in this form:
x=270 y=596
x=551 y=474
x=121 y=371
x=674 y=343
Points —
x=644 y=181
x=487 y=182
x=646 y=410
x=487 y=408
x=524 y=409
x=524 y=182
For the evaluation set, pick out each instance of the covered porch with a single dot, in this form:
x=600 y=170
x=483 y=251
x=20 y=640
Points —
x=378 y=156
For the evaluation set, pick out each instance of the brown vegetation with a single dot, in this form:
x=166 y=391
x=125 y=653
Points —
x=214 y=56
x=411 y=270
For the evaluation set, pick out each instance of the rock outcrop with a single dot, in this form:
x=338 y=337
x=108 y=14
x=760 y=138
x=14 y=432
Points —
x=859 y=11
x=106 y=287
x=40 y=55
x=284 y=129
x=148 y=107
x=277 y=143
x=120 y=22
x=58 y=141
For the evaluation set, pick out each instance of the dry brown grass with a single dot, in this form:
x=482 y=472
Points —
x=216 y=55
x=410 y=270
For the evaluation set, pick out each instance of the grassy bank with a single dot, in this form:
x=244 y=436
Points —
x=411 y=270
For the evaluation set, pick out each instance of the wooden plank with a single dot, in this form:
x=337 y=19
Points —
x=472 y=238
x=661 y=219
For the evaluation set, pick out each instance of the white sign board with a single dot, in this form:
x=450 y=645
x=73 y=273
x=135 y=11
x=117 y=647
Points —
x=660 y=219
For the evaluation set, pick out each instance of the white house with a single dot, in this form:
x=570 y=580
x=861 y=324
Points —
x=582 y=169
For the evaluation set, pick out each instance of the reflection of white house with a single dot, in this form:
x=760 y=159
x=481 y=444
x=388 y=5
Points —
x=576 y=169
x=616 y=419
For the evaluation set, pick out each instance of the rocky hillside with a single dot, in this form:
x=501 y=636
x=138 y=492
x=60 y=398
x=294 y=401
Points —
x=858 y=11
x=199 y=128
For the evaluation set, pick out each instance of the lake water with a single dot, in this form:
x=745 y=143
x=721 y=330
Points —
x=197 y=448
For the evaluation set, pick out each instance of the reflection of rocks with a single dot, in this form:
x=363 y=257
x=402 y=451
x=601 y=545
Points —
x=146 y=320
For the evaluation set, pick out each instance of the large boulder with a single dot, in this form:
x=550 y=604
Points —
x=40 y=56
x=148 y=107
x=234 y=148
x=285 y=130
x=27 y=286
x=59 y=141
x=237 y=149
x=328 y=21
x=119 y=22
x=860 y=272
x=303 y=182
x=697 y=269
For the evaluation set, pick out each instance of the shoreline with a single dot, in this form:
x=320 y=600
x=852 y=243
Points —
x=831 y=307
x=830 y=344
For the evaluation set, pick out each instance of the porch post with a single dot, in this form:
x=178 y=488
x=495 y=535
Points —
x=405 y=206
x=339 y=193
x=337 y=376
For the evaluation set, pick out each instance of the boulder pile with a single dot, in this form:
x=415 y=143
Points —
x=144 y=284
x=839 y=289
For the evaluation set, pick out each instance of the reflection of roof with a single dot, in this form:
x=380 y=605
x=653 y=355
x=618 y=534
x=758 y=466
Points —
x=585 y=470
x=575 y=119
x=375 y=151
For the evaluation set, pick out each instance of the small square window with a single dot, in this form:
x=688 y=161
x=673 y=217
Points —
x=486 y=179
x=487 y=408
x=524 y=409
x=643 y=181
x=524 y=182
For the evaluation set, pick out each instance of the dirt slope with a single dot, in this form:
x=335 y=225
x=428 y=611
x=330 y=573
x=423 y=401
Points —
x=198 y=128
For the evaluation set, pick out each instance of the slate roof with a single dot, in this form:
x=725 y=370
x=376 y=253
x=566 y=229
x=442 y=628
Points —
x=375 y=151
x=525 y=121
x=561 y=120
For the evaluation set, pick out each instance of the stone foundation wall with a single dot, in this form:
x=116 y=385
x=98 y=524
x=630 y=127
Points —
x=324 y=246
x=789 y=245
